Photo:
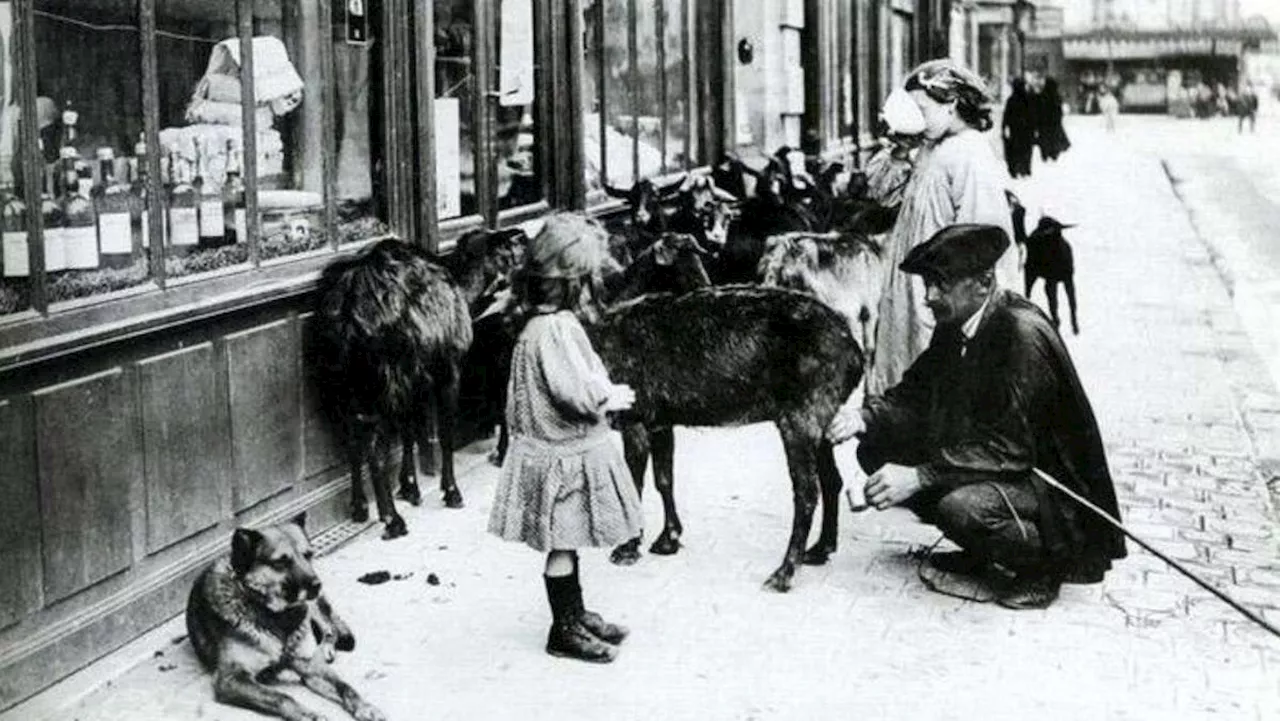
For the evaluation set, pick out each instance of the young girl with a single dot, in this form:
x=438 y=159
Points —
x=564 y=483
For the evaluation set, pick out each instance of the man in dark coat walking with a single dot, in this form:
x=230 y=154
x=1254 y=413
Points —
x=1018 y=129
x=993 y=396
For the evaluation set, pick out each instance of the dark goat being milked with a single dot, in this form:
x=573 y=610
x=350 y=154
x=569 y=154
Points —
x=390 y=329
x=728 y=356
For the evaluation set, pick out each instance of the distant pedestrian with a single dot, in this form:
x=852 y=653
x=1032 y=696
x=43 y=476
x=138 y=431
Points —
x=1109 y=105
x=994 y=396
x=564 y=483
x=1050 y=135
x=956 y=178
x=1247 y=108
x=1018 y=128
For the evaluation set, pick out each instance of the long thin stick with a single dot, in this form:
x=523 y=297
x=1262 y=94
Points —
x=1200 y=582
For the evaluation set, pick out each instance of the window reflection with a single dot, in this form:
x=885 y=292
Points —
x=15 y=264
x=358 y=73
x=639 y=107
x=455 y=114
x=518 y=162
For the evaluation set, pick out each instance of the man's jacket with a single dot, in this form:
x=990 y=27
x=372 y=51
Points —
x=1010 y=402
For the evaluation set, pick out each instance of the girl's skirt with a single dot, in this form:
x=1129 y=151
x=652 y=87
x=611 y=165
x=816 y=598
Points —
x=565 y=495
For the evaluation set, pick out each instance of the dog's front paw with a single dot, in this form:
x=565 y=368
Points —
x=368 y=712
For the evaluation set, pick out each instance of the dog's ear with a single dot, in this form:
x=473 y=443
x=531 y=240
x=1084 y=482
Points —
x=300 y=520
x=244 y=549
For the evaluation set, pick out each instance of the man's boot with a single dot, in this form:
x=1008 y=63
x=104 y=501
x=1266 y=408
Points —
x=608 y=632
x=568 y=637
x=1031 y=590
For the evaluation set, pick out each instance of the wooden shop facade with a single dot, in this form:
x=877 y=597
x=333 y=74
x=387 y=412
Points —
x=175 y=173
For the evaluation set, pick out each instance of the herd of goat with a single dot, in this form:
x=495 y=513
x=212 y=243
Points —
x=740 y=296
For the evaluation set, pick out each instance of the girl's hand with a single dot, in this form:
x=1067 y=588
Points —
x=621 y=398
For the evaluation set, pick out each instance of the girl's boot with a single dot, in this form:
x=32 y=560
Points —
x=569 y=638
x=608 y=632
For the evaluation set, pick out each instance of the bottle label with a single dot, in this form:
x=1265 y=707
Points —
x=146 y=228
x=17 y=263
x=184 y=227
x=55 y=249
x=242 y=229
x=211 y=220
x=81 y=246
x=115 y=234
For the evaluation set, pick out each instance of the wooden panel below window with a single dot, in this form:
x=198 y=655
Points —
x=186 y=440
x=319 y=442
x=88 y=456
x=19 y=515
x=266 y=411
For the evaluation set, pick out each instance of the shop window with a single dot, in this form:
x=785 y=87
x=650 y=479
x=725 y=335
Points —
x=869 y=98
x=88 y=191
x=455 y=108
x=358 y=72
x=15 y=260
x=316 y=171
x=517 y=128
x=638 y=119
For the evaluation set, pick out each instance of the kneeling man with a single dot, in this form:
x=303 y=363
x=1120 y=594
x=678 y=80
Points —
x=993 y=396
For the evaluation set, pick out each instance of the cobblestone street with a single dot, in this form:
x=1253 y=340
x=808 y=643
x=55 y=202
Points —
x=1190 y=415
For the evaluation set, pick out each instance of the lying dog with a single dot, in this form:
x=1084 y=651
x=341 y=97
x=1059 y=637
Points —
x=258 y=612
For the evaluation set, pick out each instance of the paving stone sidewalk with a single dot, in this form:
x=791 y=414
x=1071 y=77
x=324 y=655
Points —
x=1176 y=386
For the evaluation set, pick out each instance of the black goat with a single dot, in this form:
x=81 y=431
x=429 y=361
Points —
x=390 y=329
x=1049 y=256
x=729 y=356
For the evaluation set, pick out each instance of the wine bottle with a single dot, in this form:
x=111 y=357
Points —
x=13 y=224
x=140 y=219
x=184 y=219
x=81 y=226
x=233 y=198
x=69 y=120
x=212 y=229
x=53 y=223
x=115 y=218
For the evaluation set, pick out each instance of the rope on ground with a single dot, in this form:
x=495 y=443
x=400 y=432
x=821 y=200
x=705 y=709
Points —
x=1255 y=618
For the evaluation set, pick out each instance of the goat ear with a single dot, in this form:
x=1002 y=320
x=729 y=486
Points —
x=673 y=187
x=617 y=192
x=723 y=195
x=244 y=549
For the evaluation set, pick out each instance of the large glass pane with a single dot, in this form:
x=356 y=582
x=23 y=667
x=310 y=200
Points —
x=517 y=159
x=594 y=157
x=288 y=85
x=201 y=135
x=868 y=102
x=679 y=152
x=358 y=81
x=89 y=112
x=455 y=111
x=15 y=271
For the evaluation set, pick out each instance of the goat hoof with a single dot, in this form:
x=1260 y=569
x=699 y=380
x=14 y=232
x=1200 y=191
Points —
x=360 y=513
x=665 y=545
x=495 y=458
x=411 y=494
x=395 y=528
x=817 y=556
x=627 y=554
x=779 y=582
x=453 y=498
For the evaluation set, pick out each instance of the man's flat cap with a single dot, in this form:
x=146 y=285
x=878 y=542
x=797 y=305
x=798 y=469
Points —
x=957 y=251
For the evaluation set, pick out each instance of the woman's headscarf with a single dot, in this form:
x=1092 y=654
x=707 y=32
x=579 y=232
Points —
x=946 y=81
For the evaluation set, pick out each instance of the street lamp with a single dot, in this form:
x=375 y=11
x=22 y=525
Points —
x=1024 y=13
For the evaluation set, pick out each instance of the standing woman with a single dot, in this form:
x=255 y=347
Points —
x=956 y=179
x=1018 y=128
x=1052 y=136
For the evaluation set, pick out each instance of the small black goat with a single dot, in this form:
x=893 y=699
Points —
x=390 y=330
x=727 y=356
x=1049 y=256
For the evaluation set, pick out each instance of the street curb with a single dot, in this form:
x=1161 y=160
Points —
x=1266 y=446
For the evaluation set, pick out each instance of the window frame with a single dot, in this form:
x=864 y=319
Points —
x=46 y=329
